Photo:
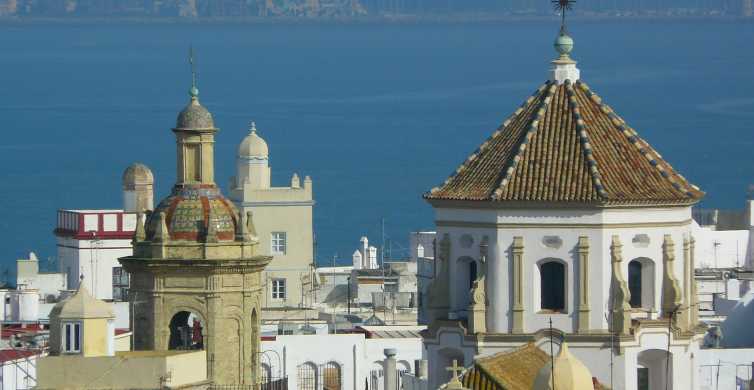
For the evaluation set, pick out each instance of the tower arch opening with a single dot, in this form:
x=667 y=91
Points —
x=186 y=331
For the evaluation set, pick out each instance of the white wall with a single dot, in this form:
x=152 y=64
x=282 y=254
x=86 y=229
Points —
x=721 y=249
x=95 y=260
x=719 y=368
x=567 y=225
x=19 y=374
x=353 y=352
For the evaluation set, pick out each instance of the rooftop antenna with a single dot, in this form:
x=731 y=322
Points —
x=194 y=91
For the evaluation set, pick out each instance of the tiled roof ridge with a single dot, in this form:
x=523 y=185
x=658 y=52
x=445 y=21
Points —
x=586 y=146
x=473 y=156
x=655 y=159
x=533 y=127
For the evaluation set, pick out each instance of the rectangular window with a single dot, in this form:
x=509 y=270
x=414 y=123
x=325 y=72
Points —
x=278 y=289
x=71 y=337
x=279 y=243
x=120 y=284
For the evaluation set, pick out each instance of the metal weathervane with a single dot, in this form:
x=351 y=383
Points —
x=563 y=6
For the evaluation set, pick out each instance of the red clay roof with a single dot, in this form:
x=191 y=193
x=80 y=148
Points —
x=7 y=355
x=565 y=145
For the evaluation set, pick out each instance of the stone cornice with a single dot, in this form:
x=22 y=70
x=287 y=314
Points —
x=196 y=266
x=479 y=204
x=492 y=225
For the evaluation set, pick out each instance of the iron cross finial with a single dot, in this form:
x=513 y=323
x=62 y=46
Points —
x=194 y=91
x=563 y=6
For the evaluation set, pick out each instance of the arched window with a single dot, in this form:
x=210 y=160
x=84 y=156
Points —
x=307 y=376
x=634 y=283
x=186 y=331
x=420 y=251
x=266 y=372
x=641 y=283
x=331 y=374
x=472 y=273
x=552 y=285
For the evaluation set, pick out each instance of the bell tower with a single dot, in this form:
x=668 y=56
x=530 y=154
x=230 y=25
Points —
x=195 y=272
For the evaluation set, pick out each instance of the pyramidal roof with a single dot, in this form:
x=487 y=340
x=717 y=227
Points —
x=564 y=144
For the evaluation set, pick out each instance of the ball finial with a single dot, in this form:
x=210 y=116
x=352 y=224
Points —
x=563 y=44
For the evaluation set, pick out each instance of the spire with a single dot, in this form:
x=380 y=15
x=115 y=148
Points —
x=194 y=91
x=253 y=128
x=564 y=68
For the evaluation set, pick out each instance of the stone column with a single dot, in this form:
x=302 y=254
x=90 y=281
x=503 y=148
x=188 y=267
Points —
x=391 y=374
x=671 y=291
x=620 y=308
x=438 y=294
x=518 y=290
x=583 y=251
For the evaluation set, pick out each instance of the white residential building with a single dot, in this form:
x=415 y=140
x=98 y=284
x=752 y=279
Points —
x=349 y=360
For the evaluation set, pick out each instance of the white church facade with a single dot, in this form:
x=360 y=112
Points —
x=566 y=215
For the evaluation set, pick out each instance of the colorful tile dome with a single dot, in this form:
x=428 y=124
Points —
x=190 y=211
x=195 y=117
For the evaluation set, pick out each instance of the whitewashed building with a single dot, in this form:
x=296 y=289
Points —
x=89 y=243
x=340 y=361
x=565 y=214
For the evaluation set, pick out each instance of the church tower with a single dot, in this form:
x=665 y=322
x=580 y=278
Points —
x=566 y=216
x=195 y=270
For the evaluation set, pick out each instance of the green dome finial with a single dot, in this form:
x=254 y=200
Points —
x=563 y=44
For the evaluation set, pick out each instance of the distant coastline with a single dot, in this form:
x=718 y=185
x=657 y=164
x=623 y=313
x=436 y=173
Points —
x=382 y=19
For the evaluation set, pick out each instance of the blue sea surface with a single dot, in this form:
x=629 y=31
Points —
x=377 y=114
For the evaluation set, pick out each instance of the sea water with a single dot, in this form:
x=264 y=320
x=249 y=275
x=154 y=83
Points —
x=377 y=114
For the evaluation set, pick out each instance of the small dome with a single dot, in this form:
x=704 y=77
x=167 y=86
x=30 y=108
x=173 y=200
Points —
x=82 y=305
x=137 y=173
x=189 y=211
x=253 y=145
x=195 y=117
x=570 y=373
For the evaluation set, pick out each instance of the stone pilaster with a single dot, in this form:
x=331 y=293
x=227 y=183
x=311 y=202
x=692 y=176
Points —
x=518 y=290
x=583 y=252
x=620 y=308
x=694 y=297
x=478 y=307
x=438 y=293
x=688 y=280
x=671 y=291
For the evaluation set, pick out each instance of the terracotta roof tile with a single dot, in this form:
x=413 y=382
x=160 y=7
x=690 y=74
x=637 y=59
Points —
x=565 y=145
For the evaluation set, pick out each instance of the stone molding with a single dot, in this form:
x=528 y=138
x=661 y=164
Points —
x=672 y=300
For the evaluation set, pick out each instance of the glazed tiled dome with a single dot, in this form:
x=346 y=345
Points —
x=194 y=116
x=189 y=212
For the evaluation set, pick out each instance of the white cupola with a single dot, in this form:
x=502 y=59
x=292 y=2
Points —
x=253 y=161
